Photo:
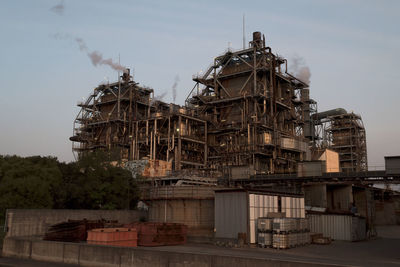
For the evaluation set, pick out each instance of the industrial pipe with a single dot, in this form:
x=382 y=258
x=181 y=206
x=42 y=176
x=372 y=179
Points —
x=328 y=113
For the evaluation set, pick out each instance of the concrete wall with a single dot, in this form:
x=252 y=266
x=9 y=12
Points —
x=197 y=214
x=339 y=197
x=387 y=212
x=37 y=221
x=190 y=205
x=103 y=256
x=363 y=199
x=310 y=168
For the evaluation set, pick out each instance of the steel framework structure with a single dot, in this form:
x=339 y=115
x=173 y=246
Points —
x=349 y=140
x=255 y=111
x=246 y=115
x=344 y=133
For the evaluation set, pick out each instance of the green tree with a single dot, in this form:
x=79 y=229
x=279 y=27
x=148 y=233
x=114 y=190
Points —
x=42 y=182
x=30 y=182
x=94 y=183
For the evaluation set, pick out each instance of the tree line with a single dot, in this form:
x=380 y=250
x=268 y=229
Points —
x=44 y=182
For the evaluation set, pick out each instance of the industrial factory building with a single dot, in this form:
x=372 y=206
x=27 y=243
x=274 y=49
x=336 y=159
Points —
x=245 y=115
x=247 y=124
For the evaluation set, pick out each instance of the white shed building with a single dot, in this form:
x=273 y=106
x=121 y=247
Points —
x=237 y=210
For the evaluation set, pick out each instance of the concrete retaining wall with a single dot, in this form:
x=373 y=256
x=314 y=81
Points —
x=197 y=214
x=103 y=256
x=32 y=222
x=387 y=211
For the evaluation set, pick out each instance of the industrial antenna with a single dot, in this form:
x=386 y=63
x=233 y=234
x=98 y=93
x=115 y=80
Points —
x=119 y=88
x=244 y=36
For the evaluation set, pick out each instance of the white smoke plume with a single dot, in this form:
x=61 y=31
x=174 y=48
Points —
x=174 y=86
x=95 y=56
x=60 y=36
x=81 y=43
x=58 y=9
x=299 y=69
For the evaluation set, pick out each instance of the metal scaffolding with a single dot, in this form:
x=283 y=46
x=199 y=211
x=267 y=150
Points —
x=246 y=115
x=344 y=133
x=255 y=111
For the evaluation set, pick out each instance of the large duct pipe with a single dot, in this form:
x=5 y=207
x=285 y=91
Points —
x=328 y=113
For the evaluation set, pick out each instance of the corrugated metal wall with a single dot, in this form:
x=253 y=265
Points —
x=338 y=227
x=230 y=214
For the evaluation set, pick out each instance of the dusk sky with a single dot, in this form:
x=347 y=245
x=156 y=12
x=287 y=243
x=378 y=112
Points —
x=350 y=46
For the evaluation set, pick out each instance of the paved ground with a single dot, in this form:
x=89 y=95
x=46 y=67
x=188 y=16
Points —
x=12 y=262
x=382 y=251
x=378 y=252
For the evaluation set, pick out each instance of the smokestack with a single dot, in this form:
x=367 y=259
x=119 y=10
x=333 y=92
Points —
x=257 y=39
x=126 y=75
x=309 y=130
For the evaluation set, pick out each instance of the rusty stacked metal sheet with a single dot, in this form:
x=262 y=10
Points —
x=72 y=230
x=122 y=237
x=160 y=234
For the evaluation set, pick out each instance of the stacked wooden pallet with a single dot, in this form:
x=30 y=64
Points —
x=318 y=238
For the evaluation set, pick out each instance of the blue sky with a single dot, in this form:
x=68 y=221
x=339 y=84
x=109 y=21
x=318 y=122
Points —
x=350 y=46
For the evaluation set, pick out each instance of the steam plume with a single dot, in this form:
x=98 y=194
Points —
x=81 y=43
x=299 y=69
x=174 y=86
x=58 y=9
x=97 y=58
x=158 y=98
